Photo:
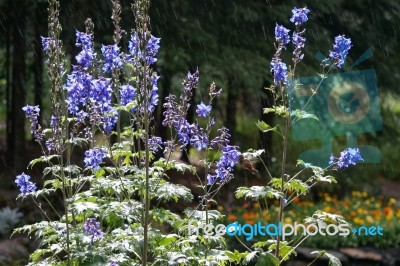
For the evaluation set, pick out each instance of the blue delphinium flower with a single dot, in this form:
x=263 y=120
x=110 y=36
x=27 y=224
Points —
x=223 y=138
x=100 y=94
x=32 y=113
x=25 y=186
x=94 y=157
x=79 y=84
x=152 y=47
x=112 y=59
x=350 y=156
x=114 y=264
x=92 y=227
x=154 y=97
x=203 y=110
x=299 y=15
x=279 y=69
x=127 y=93
x=155 y=143
x=109 y=120
x=282 y=35
x=340 y=51
x=298 y=41
x=225 y=165
x=199 y=139
x=86 y=55
x=46 y=42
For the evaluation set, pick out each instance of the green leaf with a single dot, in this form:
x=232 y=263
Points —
x=301 y=114
x=257 y=192
x=267 y=259
x=284 y=250
x=278 y=110
x=264 y=127
x=236 y=256
x=328 y=218
x=296 y=185
x=333 y=261
x=43 y=159
x=250 y=256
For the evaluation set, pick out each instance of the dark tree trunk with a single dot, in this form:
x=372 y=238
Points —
x=231 y=109
x=37 y=65
x=8 y=85
x=17 y=95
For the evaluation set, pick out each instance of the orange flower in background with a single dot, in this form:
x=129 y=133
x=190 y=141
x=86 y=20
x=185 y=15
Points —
x=249 y=217
x=232 y=217
x=388 y=211
x=376 y=213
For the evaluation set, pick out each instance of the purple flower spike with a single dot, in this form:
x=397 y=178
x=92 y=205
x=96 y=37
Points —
x=282 y=34
x=299 y=15
x=92 y=227
x=350 y=156
x=340 y=51
x=94 y=157
x=25 y=186
x=203 y=110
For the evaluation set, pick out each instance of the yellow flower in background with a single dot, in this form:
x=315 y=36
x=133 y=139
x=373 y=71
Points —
x=288 y=220
x=392 y=202
x=358 y=220
x=369 y=219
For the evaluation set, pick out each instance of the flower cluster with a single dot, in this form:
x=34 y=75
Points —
x=88 y=97
x=298 y=41
x=32 y=113
x=279 y=69
x=127 y=94
x=46 y=42
x=347 y=157
x=225 y=165
x=155 y=143
x=340 y=51
x=94 y=157
x=24 y=184
x=203 y=110
x=299 y=15
x=281 y=34
x=86 y=55
x=92 y=227
x=136 y=51
x=112 y=58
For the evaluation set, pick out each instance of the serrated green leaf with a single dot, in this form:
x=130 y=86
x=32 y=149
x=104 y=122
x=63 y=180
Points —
x=296 y=185
x=285 y=251
x=250 y=256
x=278 y=110
x=333 y=261
x=257 y=193
x=264 y=127
x=299 y=114
x=44 y=159
x=267 y=259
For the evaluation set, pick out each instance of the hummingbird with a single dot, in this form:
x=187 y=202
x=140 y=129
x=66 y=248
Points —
x=247 y=164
